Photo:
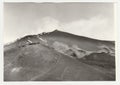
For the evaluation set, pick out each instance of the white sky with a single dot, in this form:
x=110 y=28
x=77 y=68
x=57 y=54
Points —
x=95 y=20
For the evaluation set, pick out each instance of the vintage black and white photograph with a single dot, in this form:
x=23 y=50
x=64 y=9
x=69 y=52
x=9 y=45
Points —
x=66 y=41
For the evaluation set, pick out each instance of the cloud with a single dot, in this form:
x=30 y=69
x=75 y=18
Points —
x=97 y=27
x=47 y=24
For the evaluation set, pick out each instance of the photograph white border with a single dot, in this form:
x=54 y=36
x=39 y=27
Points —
x=117 y=32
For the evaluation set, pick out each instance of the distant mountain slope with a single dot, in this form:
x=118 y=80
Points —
x=59 y=56
x=67 y=38
x=71 y=39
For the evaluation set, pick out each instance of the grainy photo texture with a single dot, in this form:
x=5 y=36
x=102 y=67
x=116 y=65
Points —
x=67 y=41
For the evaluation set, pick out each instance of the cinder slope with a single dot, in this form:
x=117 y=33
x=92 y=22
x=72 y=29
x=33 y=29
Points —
x=39 y=62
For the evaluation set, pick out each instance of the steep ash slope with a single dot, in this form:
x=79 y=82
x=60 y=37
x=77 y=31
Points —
x=39 y=62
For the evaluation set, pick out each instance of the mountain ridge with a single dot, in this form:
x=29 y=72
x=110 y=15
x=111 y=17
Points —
x=58 y=31
x=31 y=55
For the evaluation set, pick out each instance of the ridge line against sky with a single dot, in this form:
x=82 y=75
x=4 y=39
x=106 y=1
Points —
x=94 y=20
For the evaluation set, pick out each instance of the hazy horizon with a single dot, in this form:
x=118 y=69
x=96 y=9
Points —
x=94 y=20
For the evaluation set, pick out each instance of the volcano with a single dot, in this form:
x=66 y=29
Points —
x=59 y=56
